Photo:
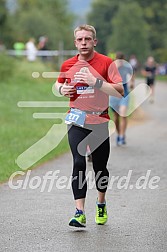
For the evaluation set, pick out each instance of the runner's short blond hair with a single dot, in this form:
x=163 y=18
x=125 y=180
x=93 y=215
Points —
x=85 y=27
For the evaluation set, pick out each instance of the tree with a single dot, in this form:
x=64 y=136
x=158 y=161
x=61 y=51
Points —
x=100 y=17
x=37 y=18
x=130 y=31
x=3 y=18
x=153 y=14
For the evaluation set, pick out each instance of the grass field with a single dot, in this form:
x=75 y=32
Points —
x=19 y=130
x=162 y=78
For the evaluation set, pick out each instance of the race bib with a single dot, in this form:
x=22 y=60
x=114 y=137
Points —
x=85 y=90
x=76 y=117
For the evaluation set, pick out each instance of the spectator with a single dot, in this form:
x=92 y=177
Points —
x=42 y=45
x=134 y=63
x=19 y=46
x=31 y=50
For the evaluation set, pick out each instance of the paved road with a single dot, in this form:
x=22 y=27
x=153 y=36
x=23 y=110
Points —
x=31 y=220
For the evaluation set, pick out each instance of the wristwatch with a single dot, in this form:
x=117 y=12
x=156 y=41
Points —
x=98 y=83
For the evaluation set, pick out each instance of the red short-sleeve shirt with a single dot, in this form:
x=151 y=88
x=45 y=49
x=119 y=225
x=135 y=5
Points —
x=89 y=98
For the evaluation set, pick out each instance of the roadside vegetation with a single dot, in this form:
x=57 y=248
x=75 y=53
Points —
x=19 y=130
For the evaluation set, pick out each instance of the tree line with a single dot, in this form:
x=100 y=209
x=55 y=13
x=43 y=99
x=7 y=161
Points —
x=31 y=18
x=132 y=26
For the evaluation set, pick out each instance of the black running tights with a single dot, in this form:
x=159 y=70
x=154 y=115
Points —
x=97 y=137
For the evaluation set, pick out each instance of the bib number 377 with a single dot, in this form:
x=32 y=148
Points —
x=76 y=117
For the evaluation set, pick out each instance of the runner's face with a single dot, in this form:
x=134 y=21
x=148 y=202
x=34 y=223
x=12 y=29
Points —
x=85 y=42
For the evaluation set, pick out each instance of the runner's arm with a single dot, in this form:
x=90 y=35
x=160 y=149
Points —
x=114 y=89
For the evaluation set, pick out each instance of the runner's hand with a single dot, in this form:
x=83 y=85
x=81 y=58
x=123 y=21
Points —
x=85 y=77
x=68 y=90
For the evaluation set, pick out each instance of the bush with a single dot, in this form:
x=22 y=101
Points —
x=7 y=66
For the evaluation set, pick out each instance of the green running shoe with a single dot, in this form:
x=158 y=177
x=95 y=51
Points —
x=79 y=219
x=101 y=214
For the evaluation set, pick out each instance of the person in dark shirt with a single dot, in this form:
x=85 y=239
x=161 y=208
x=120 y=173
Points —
x=149 y=72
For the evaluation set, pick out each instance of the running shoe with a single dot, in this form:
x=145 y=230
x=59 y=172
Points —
x=79 y=219
x=121 y=140
x=101 y=214
x=117 y=140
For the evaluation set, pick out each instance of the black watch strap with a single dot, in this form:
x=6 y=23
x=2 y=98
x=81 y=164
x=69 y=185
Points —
x=98 y=83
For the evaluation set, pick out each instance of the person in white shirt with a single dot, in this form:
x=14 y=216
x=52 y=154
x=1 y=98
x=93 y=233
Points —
x=31 y=50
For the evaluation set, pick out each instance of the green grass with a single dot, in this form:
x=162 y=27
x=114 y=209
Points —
x=19 y=130
x=162 y=78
